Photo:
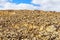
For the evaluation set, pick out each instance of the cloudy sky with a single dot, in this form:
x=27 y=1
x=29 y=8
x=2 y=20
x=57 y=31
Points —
x=47 y=5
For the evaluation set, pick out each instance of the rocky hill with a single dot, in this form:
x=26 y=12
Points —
x=29 y=25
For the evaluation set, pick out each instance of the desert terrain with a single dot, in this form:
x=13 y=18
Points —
x=29 y=25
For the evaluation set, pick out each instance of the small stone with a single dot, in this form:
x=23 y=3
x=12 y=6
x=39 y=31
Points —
x=25 y=24
x=16 y=26
x=32 y=35
x=50 y=28
x=22 y=39
x=39 y=36
x=34 y=38
x=41 y=28
x=24 y=17
x=26 y=39
x=12 y=13
x=0 y=38
x=1 y=34
x=0 y=29
x=32 y=26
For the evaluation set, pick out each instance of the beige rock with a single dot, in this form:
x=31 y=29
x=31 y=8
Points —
x=15 y=26
x=34 y=38
x=41 y=28
x=26 y=39
x=50 y=28
x=25 y=24
x=0 y=38
x=32 y=26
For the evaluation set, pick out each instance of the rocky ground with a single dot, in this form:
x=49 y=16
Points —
x=29 y=25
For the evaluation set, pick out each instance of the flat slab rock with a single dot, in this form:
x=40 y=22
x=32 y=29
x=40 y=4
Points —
x=29 y=25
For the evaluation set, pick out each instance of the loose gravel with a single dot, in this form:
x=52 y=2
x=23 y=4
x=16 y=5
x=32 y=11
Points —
x=29 y=25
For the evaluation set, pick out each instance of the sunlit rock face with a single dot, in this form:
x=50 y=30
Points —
x=29 y=25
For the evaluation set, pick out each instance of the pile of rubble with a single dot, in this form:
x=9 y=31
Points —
x=29 y=25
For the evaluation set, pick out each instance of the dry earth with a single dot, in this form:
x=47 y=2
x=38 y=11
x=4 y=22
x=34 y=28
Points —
x=29 y=25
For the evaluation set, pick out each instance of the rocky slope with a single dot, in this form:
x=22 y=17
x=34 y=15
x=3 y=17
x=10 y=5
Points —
x=29 y=25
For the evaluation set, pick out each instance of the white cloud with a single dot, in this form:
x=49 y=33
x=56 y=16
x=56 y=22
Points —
x=48 y=5
x=20 y=6
x=6 y=5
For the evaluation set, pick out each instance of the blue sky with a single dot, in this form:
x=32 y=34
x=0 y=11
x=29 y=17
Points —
x=46 y=5
x=24 y=1
x=18 y=5
x=21 y=1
